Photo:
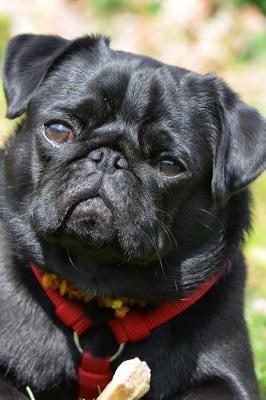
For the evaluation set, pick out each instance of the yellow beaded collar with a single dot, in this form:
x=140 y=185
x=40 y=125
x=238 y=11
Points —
x=120 y=306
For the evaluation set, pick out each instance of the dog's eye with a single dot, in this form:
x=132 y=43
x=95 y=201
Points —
x=59 y=132
x=169 y=167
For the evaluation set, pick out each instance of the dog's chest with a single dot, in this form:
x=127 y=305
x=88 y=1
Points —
x=38 y=351
x=41 y=355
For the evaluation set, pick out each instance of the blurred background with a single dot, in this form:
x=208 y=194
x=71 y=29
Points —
x=223 y=36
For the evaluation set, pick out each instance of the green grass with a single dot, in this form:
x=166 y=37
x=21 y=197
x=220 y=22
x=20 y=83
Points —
x=260 y=4
x=255 y=251
x=150 y=8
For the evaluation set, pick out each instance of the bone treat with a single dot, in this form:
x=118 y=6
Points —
x=131 y=381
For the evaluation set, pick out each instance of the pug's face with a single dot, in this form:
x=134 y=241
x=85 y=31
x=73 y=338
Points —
x=127 y=156
x=118 y=152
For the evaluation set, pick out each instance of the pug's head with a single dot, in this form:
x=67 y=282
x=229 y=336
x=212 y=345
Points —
x=127 y=163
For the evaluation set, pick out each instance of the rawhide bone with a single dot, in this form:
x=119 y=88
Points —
x=131 y=381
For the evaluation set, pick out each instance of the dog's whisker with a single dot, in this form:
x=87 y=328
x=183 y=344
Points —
x=205 y=225
x=72 y=262
x=161 y=211
x=162 y=224
x=213 y=216
x=158 y=255
x=176 y=288
x=7 y=212
x=167 y=231
x=19 y=202
x=94 y=251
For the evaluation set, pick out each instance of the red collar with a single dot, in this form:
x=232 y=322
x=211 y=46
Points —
x=94 y=373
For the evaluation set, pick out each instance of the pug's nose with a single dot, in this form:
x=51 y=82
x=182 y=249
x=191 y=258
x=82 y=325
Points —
x=108 y=158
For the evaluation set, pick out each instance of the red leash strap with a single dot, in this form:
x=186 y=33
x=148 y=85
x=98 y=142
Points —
x=135 y=327
x=66 y=310
x=93 y=376
x=94 y=373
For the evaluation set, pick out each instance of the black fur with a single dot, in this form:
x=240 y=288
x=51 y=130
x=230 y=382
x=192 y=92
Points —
x=137 y=233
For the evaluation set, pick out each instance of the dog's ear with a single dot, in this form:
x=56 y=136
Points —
x=27 y=59
x=240 y=154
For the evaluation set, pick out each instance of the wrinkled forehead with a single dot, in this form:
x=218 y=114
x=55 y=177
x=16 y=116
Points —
x=133 y=86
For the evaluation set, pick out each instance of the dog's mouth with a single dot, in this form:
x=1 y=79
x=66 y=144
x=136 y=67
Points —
x=90 y=218
x=93 y=210
x=92 y=221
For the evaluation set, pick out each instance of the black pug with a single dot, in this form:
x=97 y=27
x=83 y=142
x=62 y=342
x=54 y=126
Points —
x=128 y=178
